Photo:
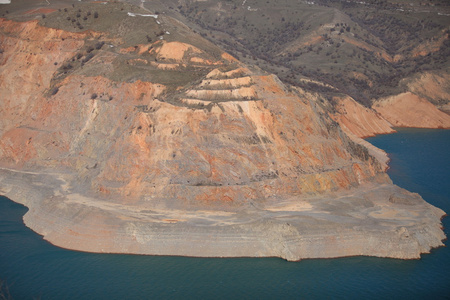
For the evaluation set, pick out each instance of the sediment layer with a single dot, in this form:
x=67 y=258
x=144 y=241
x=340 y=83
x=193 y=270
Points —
x=373 y=220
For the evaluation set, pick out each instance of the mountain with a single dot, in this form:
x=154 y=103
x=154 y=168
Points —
x=123 y=130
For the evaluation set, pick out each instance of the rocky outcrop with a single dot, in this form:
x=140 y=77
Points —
x=213 y=158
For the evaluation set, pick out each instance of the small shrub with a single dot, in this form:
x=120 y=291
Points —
x=54 y=91
x=96 y=15
x=99 y=45
x=67 y=67
x=43 y=16
x=94 y=96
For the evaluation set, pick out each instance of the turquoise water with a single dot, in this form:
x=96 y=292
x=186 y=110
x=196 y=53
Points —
x=32 y=268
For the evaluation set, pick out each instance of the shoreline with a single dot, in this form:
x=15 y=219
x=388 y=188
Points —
x=370 y=226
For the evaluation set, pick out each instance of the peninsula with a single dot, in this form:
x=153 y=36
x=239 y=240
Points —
x=125 y=131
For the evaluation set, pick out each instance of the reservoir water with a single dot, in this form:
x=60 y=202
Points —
x=32 y=268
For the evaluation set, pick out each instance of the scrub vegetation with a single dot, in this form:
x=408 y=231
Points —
x=361 y=49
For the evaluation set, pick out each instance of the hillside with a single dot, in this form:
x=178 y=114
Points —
x=123 y=130
x=368 y=51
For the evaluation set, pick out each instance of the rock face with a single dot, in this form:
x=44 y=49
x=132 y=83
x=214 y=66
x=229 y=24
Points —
x=166 y=149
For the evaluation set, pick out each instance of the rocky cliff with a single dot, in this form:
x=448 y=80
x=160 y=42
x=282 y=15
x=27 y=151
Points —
x=167 y=147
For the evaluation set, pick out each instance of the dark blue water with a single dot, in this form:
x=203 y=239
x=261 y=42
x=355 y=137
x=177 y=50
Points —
x=32 y=268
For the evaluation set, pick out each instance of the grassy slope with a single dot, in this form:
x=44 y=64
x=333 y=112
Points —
x=120 y=32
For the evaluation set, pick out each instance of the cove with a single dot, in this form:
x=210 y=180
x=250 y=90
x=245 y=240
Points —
x=420 y=160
